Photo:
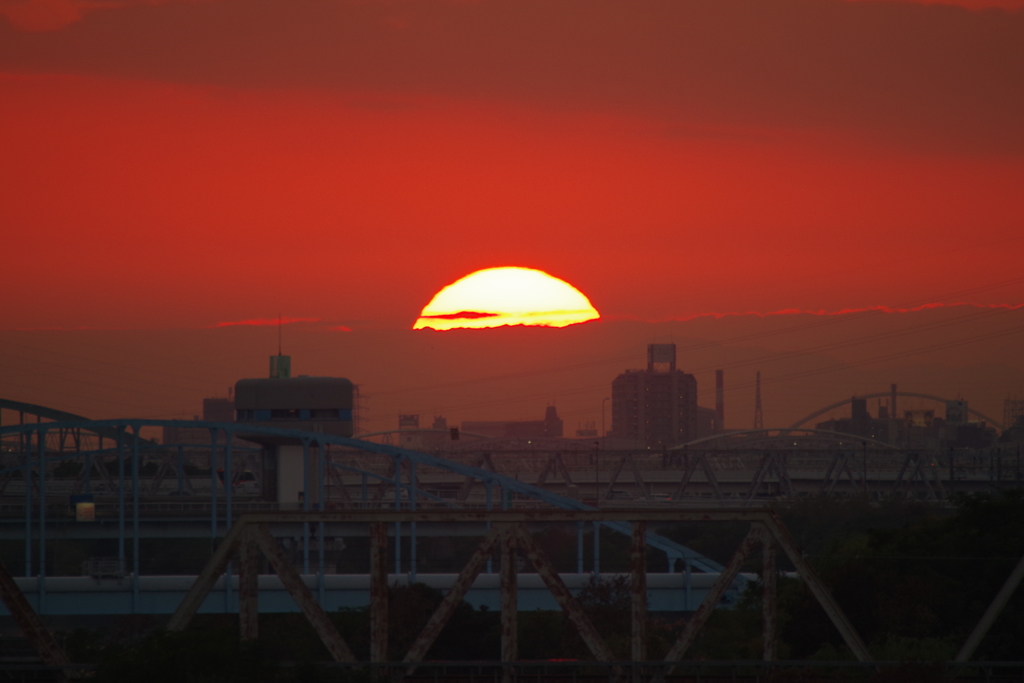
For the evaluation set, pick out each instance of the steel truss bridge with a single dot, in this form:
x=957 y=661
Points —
x=251 y=541
x=747 y=467
x=142 y=489
x=139 y=490
x=741 y=468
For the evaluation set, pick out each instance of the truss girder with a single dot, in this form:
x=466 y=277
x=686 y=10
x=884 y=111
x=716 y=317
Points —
x=396 y=454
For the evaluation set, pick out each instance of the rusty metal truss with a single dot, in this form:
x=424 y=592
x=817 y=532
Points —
x=506 y=533
x=250 y=536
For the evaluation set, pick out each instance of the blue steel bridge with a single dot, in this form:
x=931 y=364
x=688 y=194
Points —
x=103 y=484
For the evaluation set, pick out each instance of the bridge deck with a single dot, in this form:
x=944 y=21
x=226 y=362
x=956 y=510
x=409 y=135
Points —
x=85 y=595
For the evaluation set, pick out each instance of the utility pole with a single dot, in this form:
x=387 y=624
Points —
x=758 y=417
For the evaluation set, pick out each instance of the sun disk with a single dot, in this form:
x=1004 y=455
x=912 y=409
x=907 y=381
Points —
x=495 y=297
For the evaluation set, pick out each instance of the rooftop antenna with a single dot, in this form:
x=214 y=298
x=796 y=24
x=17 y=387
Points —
x=280 y=365
x=758 y=417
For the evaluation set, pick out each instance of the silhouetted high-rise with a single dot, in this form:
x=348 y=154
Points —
x=657 y=405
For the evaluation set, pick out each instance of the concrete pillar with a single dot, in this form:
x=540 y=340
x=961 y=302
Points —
x=291 y=483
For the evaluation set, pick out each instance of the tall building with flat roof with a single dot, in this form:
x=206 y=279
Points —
x=657 y=405
x=313 y=404
x=214 y=410
x=219 y=409
x=310 y=404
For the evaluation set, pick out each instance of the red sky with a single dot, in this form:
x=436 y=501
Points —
x=170 y=164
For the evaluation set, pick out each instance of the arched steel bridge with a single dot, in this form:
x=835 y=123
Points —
x=754 y=436
x=54 y=415
x=882 y=394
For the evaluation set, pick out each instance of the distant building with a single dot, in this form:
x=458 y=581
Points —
x=970 y=435
x=214 y=410
x=1014 y=432
x=860 y=422
x=657 y=405
x=311 y=404
x=550 y=426
x=708 y=422
x=917 y=429
x=1013 y=408
x=956 y=413
x=413 y=437
x=219 y=409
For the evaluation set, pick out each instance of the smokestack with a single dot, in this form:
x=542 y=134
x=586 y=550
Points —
x=720 y=399
x=892 y=405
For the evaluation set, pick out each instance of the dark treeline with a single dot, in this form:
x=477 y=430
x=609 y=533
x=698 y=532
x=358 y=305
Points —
x=913 y=579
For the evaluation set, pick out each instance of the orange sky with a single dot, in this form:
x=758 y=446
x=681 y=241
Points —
x=177 y=164
x=180 y=164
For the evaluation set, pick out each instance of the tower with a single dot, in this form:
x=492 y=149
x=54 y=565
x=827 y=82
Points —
x=758 y=417
x=309 y=404
x=657 y=405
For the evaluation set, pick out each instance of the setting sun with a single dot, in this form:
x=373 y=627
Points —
x=494 y=297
